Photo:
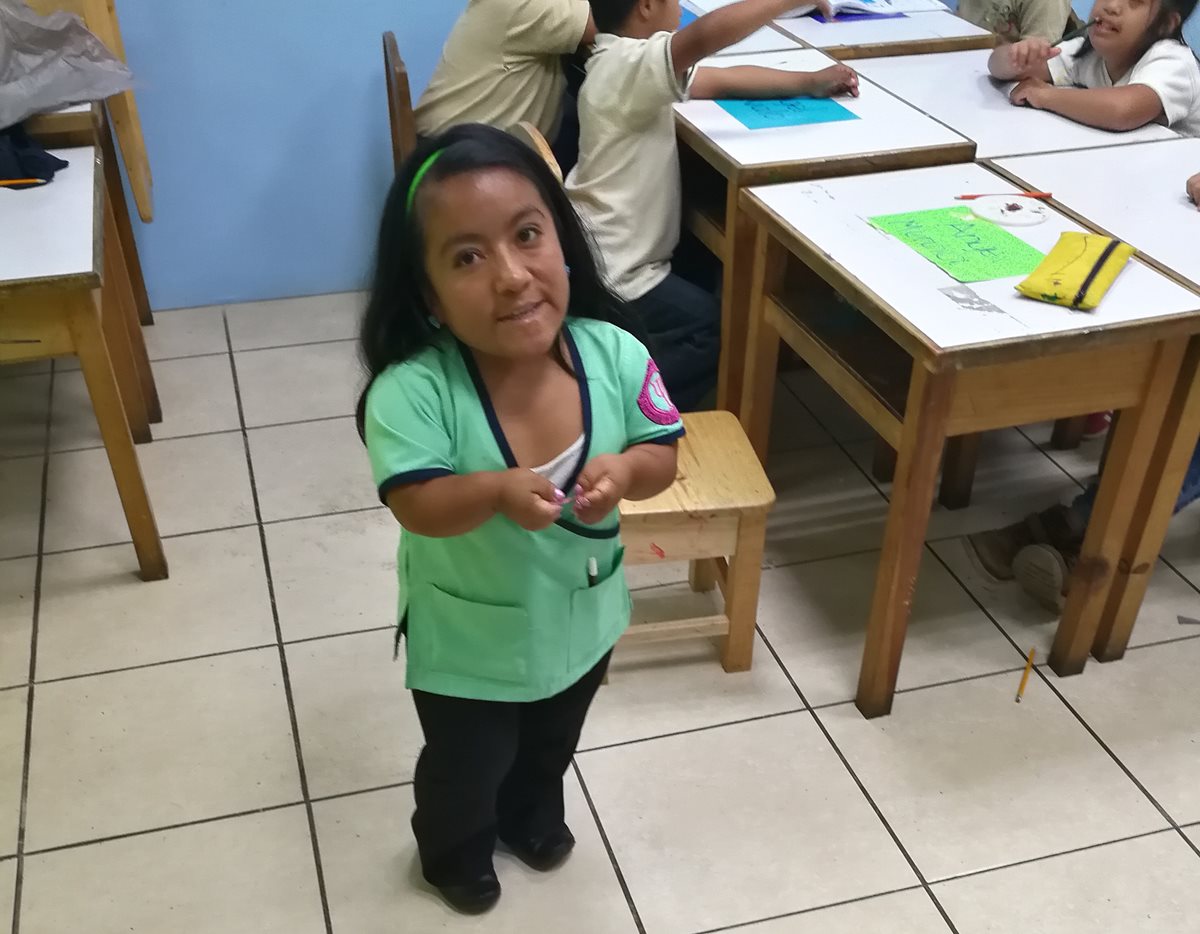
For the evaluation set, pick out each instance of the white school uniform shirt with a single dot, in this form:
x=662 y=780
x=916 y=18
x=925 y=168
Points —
x=1168 y=68
x=626 y=184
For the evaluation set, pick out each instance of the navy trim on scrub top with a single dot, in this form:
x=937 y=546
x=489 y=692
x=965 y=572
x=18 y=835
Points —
x=411 y=476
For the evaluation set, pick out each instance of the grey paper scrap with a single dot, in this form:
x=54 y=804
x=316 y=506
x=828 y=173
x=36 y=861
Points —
x=966 y=297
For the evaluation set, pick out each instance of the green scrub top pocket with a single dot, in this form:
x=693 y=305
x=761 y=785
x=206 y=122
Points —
x=475 y=640
x=596 y=611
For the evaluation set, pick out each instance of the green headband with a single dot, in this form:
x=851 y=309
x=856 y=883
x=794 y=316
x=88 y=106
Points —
x=420 y=174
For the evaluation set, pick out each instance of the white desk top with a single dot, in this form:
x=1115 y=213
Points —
x=763 y=40
x=885 y=124
x=955 y=87
x=833 y=215
x=910 y=28
x=1135 y=194
x=47 y=232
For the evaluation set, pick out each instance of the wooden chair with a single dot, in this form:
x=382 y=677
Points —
x=715 y=517
x=400 y=108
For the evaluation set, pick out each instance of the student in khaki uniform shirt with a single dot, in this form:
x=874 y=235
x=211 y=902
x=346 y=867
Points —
x=1014 y=20
x=626 y=185
x=502 y=65
x=502 y=376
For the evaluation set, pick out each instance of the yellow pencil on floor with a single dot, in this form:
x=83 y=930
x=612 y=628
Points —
x=1025 y=676
x=21 y=181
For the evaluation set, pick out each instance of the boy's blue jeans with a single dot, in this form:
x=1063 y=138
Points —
x=1081 y=506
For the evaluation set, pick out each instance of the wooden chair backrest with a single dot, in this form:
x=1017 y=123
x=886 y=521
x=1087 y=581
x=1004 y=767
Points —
x=100 y=16
x=400 y=108
x=532 y=137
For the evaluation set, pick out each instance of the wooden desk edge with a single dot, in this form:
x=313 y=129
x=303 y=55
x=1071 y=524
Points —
x=848 y=53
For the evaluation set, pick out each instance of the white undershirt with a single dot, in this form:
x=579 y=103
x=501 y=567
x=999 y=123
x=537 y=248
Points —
x=558 y=471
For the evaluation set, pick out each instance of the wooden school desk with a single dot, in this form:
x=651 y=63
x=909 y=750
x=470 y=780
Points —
x=1135 y=193
x=955 y=88
x=719 y=156
x=912 y=34
x=53 y=263
x=767 y=39
x=924 y=359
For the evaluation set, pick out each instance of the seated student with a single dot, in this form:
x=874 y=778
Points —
x=503 y=65
x=1132 y=68
x=1014 y=20
x=626 y=185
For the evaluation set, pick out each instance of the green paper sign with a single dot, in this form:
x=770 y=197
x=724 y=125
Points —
x=966 y=247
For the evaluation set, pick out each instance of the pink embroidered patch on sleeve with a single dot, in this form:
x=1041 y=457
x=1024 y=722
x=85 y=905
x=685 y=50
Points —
x=653 y=400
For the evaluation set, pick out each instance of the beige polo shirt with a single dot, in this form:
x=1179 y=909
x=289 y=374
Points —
x=626 y=184
x=501 y=65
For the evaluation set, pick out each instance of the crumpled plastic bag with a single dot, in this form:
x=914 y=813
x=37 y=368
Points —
x=50 y=61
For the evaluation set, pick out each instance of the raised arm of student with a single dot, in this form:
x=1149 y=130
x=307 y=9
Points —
x=751 y=81
x=1025 y=59
x=724 y=26
x=1124 y=108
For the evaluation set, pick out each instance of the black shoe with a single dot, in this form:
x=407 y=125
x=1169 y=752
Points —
x=472 y=898
x=546 y=852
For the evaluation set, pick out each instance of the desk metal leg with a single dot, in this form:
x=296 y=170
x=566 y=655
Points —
x=924 y=434
x=1121 y=483
x=1169 y=462
x=91 y=348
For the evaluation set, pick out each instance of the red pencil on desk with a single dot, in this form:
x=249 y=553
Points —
x=1043 y=195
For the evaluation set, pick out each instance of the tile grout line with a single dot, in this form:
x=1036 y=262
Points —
x=612 y=857
x=740 y=925
x=283 y=662
x=27 y=753
x=862 y=789
x=1040 y=671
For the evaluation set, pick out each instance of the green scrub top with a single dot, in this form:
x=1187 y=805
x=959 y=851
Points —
x=502 y=613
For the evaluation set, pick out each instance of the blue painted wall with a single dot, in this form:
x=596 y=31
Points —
x=266 y=127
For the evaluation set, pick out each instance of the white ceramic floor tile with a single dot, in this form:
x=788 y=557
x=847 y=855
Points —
x=815 y=616
x=311 y=469
x=23 y=404
x=824 y=507
x=97 y=614
x=1033 y=626
x=374 y=885
x=792 y=426
x=12 y=762
x=8 y=885
x=186 y=332
x=15 y=370
x=295 y=320
x=1193 y=833
x=196 y=395
x=970 y=780
x=158 y=746
x=766 y=807
x=834 y=415
x=1082 y=463
x=248 y=875
x=670 y=687
x=1182 y=545
x=20 y=505
x=293 y=384
x=358 y=727
x=1146 y=886
x=1012 y=479
x=644 y=576
x=195 y=484
x=334 y=573
x=17 y=578
x=909 y=912
x=1146 y=708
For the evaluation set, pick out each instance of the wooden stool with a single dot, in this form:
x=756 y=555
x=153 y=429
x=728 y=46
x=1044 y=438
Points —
x=715 y=516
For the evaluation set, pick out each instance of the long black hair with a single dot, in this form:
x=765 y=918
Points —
x=397 y=323
x=1184 y=8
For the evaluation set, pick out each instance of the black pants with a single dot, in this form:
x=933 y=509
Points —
x=492 y=769
x=683 y=322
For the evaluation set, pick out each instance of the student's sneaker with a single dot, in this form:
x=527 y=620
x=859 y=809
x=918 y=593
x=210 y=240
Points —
x=544 y=853
x=993 y=552
x=1097 y=424
x=1043 y=572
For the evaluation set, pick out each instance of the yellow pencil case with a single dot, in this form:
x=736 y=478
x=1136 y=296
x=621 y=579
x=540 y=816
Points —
x=1078 y=271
